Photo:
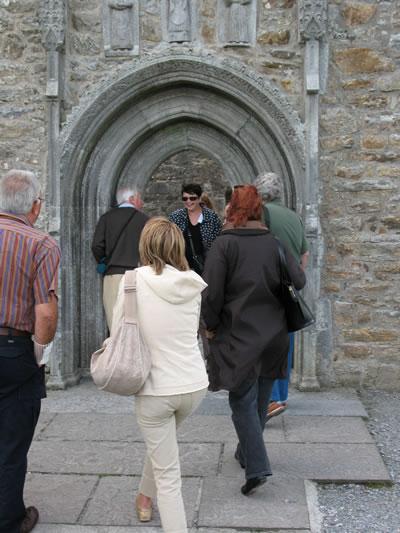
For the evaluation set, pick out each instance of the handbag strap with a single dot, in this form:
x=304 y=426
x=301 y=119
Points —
x=130 y=301
x=285 y=277
x=191 y=242
x=108 y=257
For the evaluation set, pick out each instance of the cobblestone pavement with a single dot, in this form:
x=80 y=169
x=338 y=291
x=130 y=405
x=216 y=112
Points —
x=370 y=508
x=86 y=460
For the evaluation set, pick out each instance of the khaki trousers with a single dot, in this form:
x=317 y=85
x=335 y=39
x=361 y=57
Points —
x=110 y=293
x=158 y=418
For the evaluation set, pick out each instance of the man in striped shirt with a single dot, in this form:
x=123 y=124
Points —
x=29 y=261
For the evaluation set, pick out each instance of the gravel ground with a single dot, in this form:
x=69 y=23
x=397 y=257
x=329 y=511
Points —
x=368 y=508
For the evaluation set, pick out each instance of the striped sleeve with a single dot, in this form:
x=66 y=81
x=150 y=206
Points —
x=46 y=277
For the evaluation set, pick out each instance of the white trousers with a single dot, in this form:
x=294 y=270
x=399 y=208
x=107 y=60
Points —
x=110 y=293
x=158 y=418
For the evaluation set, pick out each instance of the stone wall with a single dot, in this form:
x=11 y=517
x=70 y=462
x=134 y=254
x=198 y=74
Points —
x=359 y=142
x=22 y=84
x=360 y=169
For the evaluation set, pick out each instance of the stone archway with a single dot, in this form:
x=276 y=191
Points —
x=126 y=128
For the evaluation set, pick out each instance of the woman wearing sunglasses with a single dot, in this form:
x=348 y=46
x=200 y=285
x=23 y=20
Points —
x=200 y=226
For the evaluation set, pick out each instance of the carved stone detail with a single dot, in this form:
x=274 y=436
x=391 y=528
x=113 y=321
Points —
x=121 y=27
x=178 y=20
x=237 y=21
x=52 y=22
x=313 y=18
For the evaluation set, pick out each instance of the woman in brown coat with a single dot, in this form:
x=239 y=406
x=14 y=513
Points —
x=246 y=321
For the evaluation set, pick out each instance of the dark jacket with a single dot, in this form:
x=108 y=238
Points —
x=210 y=228
x=241 y=303
x=126 y=254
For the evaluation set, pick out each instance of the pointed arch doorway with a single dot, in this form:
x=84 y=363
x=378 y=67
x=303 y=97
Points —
x=126 y=130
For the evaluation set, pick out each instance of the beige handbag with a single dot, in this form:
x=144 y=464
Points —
x=123 y=362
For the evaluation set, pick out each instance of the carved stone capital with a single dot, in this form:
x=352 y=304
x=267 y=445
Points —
x=52 y=23
x=313 y=17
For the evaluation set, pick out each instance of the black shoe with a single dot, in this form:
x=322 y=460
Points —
x=252 y=484
x=30 y=520
x=237 y=457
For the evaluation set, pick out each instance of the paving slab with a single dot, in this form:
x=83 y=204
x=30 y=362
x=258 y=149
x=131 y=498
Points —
x=118 y=458
x=202 y=428
x=43 y=422
x=280 y=503
x=59 y=498
x=326 y=429
x=113 y=502
x=66 y=528
x=319 y=462
x=325 y=406
x=93 y=427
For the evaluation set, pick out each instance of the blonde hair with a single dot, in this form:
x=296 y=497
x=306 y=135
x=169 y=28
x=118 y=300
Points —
x=161 y=243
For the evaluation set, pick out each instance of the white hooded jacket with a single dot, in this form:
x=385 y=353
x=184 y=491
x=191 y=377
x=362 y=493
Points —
x=168 y=315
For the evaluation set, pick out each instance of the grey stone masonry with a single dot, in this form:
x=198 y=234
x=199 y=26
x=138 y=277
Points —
x=98 y=93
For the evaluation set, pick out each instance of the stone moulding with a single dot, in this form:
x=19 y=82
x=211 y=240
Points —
x=227 y=74
x=121 y=124
x=52 y=22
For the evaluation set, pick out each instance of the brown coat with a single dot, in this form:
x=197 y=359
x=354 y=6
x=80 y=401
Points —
x=241 y=303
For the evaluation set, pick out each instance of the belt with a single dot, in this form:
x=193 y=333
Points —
x=14 y=332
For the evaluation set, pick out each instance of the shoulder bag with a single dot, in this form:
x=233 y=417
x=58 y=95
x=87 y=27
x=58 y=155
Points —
x=298 y=313
x=123 y=363
x=102 y=265
x=198 y=260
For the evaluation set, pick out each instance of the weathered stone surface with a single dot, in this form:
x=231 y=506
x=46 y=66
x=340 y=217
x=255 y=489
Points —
x=222 y=504
x=355 y=13
x=362 y=60
x=117 y=458
x=372 y=142
x=357 y=84
x=313 y=429
x=274 y=37
x=369 y=335
x=60 y=498
x=319 y=462
x=112 y=502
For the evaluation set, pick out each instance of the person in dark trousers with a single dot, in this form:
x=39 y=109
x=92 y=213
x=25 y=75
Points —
x=29 y=262
x=116 y=243
x=288 y=227
x=246 y=324
x=200 y=226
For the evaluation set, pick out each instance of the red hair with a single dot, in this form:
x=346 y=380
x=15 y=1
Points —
x=245 y=204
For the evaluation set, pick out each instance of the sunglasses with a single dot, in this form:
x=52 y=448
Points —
x=191 y=198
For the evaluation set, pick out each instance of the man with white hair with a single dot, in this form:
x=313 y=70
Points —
x=288 y=227
x=29 y=262
x=116 y=243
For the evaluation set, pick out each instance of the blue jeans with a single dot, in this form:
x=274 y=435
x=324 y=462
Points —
x=280 y=390
x=249 y=410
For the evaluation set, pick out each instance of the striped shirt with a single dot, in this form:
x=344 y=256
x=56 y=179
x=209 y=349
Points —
x=29 y=261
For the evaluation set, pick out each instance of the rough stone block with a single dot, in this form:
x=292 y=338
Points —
x=361 y=60
x=113 y=502
x=280 y=503
x=356 y=13
x=59 y=498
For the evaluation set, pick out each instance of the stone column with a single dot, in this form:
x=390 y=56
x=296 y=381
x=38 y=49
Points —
x=52 y=15
x=312 y=31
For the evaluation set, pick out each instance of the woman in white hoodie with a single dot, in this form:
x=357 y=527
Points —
x=168 y=301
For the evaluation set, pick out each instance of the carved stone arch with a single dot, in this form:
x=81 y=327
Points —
x=125 y=128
